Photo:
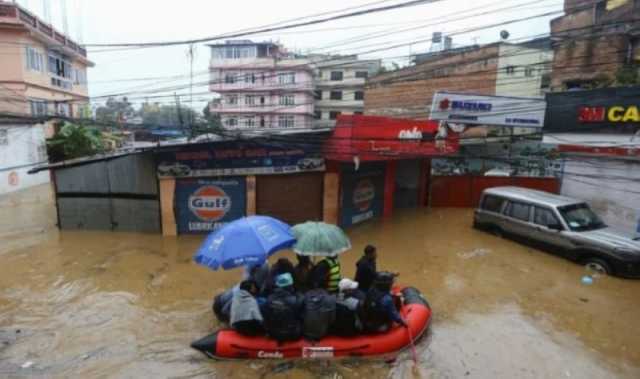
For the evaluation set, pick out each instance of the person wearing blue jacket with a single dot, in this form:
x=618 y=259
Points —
x=379 y=311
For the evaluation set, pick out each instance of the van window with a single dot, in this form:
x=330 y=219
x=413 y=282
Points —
x=518 y=211
x=492 y=203
x=545 y=217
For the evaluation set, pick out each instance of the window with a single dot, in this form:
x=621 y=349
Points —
x=359 y=95
x=519 y=211
x=545 y=217
x=287 y=100
x=79 y=76
x=286 y=77
x=528 y=72
x=232 y=122
x=249 y=122
x=229 y=78
x=317 y=95
x=59 y=66
x=492 y=203
x=34 y=59
x=233 y=52
x=362 y=74
x=42 y=153
x=63 y=109
x=510 y=70
x=4 y=137
x=262 y=122
x=262 y=100
x=232 y=99
x=60 y=83
x=250 y=78
x=336 y=75
x=38 y=107
x=286 y=121
x=336 y=95
x=317 y=115
x=581 y=218
x=250 y=100
x=334 y=115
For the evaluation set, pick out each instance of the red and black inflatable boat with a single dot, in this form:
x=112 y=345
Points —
x=227 y=344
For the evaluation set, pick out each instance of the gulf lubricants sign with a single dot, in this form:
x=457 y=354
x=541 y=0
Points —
x=362 y=194
x=204 y=205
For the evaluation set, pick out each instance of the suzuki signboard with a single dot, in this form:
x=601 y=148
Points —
x=488 y=110
x=204 y=205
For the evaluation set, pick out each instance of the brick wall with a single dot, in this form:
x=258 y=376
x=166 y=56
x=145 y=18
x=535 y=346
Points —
x=408 y=93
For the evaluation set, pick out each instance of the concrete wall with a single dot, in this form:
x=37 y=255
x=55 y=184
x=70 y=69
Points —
x=612 y=187
x=21 y=148
x=528 y=71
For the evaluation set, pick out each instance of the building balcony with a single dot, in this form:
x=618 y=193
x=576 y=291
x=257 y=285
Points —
x=338 y=104
x=258 y=86
x=261 y=109
x=13 y=15
x=347 y=82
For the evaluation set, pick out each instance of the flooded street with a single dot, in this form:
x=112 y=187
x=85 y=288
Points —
x=117 y=305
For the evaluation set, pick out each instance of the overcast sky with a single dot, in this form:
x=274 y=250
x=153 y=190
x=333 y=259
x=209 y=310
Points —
x=122 y=21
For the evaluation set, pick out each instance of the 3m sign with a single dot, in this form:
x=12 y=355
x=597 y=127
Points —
x=611 y=114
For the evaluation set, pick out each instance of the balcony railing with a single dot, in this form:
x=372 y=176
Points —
x=21 y=15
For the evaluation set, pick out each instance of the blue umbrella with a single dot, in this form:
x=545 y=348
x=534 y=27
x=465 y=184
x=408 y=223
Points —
x=244 y=242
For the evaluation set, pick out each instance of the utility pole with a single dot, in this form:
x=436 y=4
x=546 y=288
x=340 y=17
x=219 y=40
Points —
x=65 y=22
x=191 y=56
x=180 y=120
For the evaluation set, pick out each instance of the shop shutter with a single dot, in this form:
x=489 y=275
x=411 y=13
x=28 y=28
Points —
x=292 y=198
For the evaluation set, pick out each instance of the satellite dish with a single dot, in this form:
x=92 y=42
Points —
x=504 y=34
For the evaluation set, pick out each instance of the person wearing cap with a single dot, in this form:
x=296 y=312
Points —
x=379 y=309
x=282 y=266
x=366 y=268
x=282 y=310
x=347 y=321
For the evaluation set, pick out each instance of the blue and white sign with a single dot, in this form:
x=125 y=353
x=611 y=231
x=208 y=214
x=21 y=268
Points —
x=205 y=205
x=461 y=108
x=362 y=194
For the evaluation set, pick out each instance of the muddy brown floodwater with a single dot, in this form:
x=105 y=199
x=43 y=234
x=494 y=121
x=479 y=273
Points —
x=116 y=305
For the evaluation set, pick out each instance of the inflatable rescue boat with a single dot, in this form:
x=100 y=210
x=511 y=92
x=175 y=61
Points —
x=227 y=344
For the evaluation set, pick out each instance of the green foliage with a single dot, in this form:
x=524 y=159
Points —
x=627 y=76
x=154 y=115
x=74 y=141
x=114 y=111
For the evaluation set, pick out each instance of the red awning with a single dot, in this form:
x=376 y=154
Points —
x=373 y=138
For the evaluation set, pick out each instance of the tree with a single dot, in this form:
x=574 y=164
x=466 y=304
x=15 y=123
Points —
x=74 y=141
x=167 y=116
x=115 y=111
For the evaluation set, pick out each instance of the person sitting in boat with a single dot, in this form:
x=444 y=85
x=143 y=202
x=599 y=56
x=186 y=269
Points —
x=282 y=311
x=366 y=268
x=259 y=274
x=282 y=266
x=245 y=313
x=326 y=274
x=319 y=313
x=302 y=271
x=347 y=322
x=379 y=310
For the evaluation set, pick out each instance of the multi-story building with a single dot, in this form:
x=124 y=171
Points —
x=499 y=68
x=339 y=82
x=42 y=73
x=261 y=86
x=596 y=44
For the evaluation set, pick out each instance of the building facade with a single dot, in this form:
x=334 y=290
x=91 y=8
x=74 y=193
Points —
x=496 y=69
x=339 y=86
x=595 y=44
x=261 y=86
x=42 y=73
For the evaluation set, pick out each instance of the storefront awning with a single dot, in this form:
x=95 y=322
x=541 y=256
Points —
x=373 y=138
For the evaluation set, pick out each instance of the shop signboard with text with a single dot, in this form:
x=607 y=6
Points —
x=205 y=205
x=362 y=195
x=471 y=109
x=231 y=159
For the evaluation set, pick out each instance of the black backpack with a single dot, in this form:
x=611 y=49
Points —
x=281 y=322
x=319 y=313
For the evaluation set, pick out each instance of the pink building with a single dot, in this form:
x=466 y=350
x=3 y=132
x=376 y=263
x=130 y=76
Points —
x=260 y=87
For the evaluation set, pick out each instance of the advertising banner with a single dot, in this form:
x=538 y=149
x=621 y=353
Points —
x=205 y=205
x=362 y=194
x=488 y=110
x=232 y=159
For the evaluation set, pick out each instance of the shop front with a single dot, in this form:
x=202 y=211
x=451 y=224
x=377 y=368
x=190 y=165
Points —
x=597 y=133
x=381 y=164
x=204 y=186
